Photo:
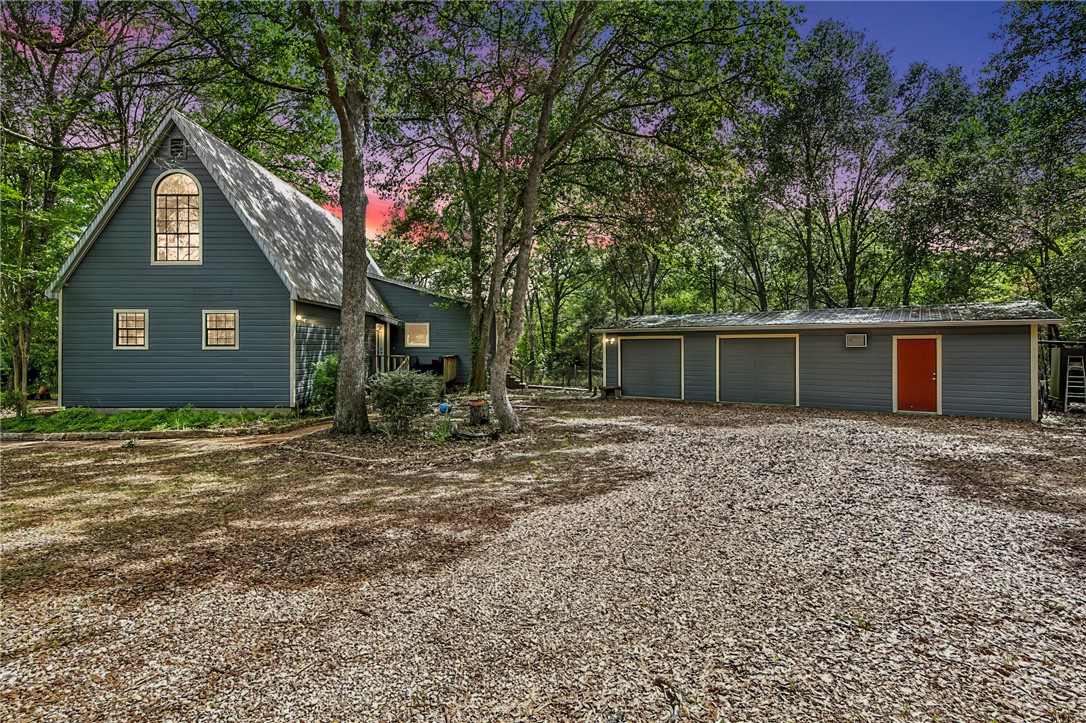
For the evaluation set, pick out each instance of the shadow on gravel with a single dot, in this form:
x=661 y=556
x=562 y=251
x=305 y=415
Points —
x=129 y=524
x=1051 y=480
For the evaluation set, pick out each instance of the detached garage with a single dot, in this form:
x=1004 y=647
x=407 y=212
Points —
x=960 y=359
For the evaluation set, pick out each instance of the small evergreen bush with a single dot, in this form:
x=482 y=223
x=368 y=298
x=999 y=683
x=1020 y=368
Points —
x=323 y=396
x=401 y=397
x=14 y=399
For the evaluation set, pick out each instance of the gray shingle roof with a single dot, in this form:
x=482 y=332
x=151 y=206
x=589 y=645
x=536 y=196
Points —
x=1009 y=312
x=301 y=239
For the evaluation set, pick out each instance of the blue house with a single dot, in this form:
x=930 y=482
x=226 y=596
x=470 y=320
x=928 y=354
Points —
x=207 y=280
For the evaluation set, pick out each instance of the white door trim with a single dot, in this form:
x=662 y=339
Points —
x=1034 y=352
x=755 y=336
x=60 y=348
x=603 y=343
x=938 y=371
x=682 y=363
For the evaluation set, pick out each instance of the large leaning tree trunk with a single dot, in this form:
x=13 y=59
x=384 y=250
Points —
x=509 y=329
x=349 y=91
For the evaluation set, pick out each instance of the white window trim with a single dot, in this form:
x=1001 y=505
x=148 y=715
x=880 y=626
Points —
x=146 y=330
x=203 y=330
x=154 y=208
x=406 y=343
x=938 y=372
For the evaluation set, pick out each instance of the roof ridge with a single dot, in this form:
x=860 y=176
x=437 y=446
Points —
x=1022 y=311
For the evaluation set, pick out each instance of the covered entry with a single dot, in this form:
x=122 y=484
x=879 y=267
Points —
x=651 y=367
x=759 y=369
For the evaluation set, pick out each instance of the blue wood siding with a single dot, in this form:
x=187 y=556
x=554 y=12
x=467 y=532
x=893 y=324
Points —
x=987 y=374
x=701 y=366
x=610 y=363
x=986 y=370
x=117 y=273
x=834 y=376
x=316 y=336
x=450 y=325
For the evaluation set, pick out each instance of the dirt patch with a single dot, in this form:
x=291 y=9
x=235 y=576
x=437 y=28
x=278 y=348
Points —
x=126 y=524
x=745 y=563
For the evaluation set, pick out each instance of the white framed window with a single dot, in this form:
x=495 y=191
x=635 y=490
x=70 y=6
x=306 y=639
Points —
x=130 y=328
x=177 y=219
x=221 y=329
x=416 y=335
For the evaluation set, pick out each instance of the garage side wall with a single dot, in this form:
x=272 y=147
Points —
x=610 y=363
x=986 y=371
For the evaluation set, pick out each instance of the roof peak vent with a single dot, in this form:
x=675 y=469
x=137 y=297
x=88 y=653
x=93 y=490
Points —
x=179 y=150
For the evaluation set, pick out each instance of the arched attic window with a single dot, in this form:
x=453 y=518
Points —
x=177 y=219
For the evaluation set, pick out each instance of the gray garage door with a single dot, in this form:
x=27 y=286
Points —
x=762 y=371
x=652 y=368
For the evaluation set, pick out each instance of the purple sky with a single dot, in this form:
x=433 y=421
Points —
x=942 y=33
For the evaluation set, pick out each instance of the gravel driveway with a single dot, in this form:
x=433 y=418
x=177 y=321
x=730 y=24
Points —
x=757 y=564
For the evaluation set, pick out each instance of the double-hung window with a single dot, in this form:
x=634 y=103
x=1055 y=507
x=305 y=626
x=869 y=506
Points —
x=220 y=329
x=129 y=328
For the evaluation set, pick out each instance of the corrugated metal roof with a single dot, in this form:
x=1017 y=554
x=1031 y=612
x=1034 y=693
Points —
x=301 y=239
x=1009 y=312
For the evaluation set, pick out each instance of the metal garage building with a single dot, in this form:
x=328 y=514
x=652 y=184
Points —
x=961 y=359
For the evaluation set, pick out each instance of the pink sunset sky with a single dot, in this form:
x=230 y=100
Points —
x=377 y=213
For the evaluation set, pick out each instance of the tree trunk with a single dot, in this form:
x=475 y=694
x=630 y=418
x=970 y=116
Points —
x=552 y=342
x=713 y=285
x=509 y=333
x=808 y=250
x=352 y=106
x=351 y=416
x=531 y=340
x=480 y=319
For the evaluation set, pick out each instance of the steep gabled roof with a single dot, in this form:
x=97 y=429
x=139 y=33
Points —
x=301 y=240
x=984 y=313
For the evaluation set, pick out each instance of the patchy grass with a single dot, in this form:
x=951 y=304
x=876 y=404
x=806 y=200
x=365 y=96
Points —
x=128 y=523
x=80 y=419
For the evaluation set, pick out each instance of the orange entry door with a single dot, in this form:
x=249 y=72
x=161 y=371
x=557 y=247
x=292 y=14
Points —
x=917 y=386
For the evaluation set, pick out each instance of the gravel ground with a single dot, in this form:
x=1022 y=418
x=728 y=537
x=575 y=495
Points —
x=747 y=564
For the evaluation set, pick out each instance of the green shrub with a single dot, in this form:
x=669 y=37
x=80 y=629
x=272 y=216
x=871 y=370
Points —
x=14 y=399
x=401 y=397
x=80 y=419
x=323 y=395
